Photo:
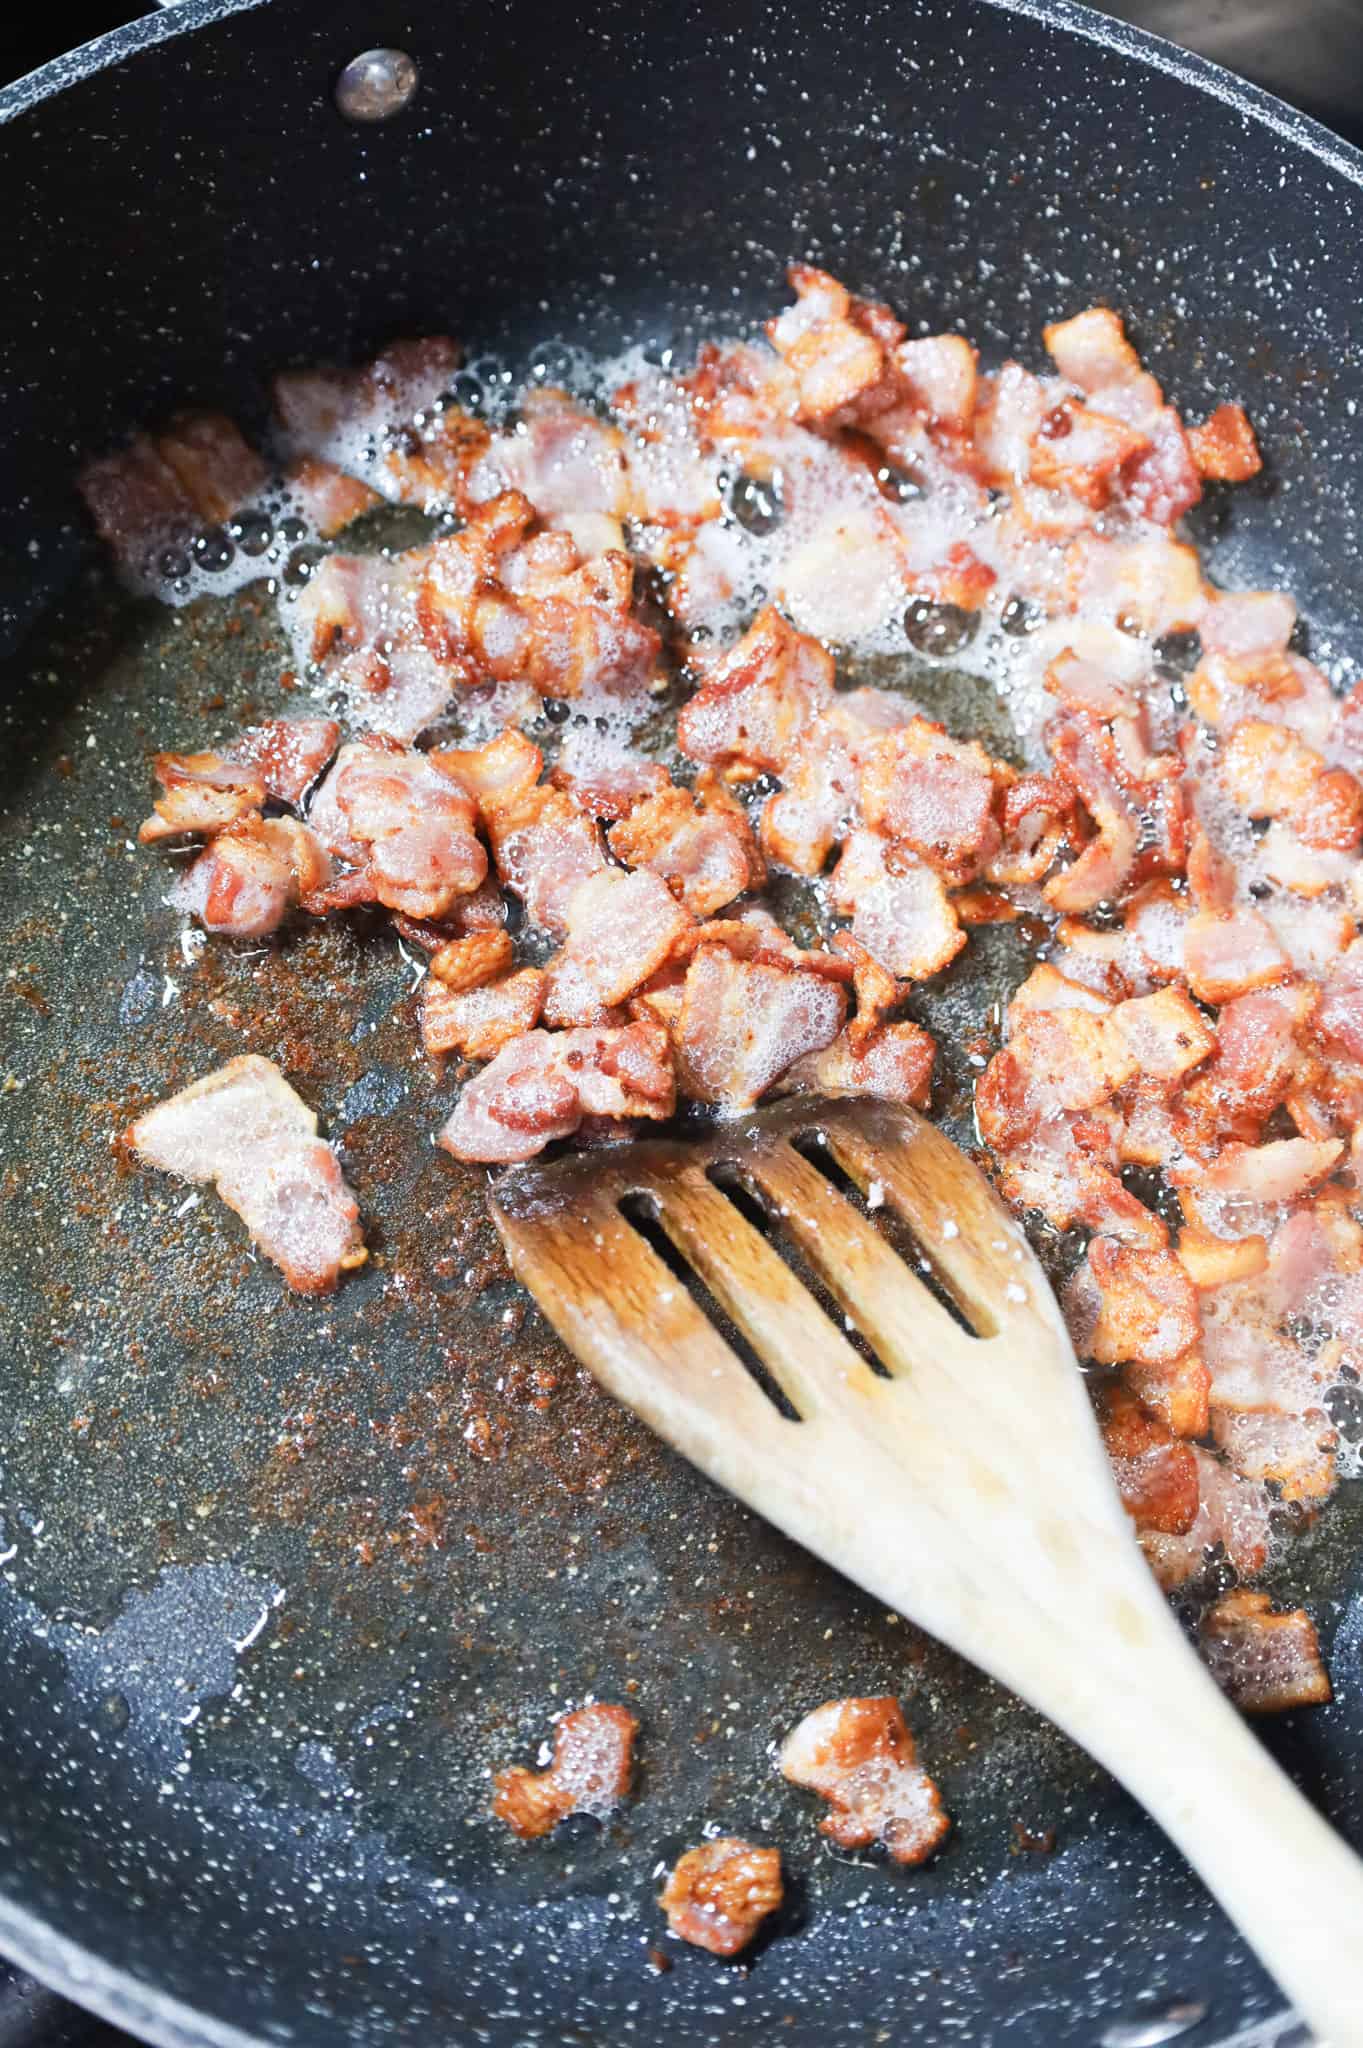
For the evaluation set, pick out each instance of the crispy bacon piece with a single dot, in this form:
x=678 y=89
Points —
x=1146 y=1306
x=621 y=929
x=478 y=1021
x=473 y=959
x=895 y=1063
x=875 y=987
x=1268 y=1663
x=717 y=1895
x=248 y=879
x=1224 y=447
x=155 y=493
x=244 y=1129
x=606 y=778
x=544 y=844
x=934 y=794
x=328 y=499
x=1219 y=1261
x=858 y=1754
x=499 y=603
x=590 y=1773
x=1082 y=451
x=572 y=466
x=542 y=1084
x=1232 y=1513
x=901 y=913
x=1056 y=1060
x=404 y=827
x=1153 y=585
x=1178 y=1394
x=1083 y=753
x=204 y=793
x=743 y=1022
x=701 y=845
x=1156 y=1475
x=752 y=709
x=835 y=348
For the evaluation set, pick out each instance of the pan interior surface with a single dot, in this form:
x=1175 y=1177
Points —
x=282 y=1580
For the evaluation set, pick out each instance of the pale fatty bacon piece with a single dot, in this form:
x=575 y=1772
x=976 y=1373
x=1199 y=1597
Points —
x=621 y=929
x=543 y=1084
x=479 y=1021
x=356 y=622
x=407 y=828
x=1268 y=1663
x=288 y=754
x=1340 y=1017
x=250 y=876
x=858 y=1754
x=743 y=1022
x=1232 y=1512
x=894 y=1063
x=387 y=422
x=544 y=844
x=750 y=713
x=718 y=1894
x=1055 y=1061
x=901 y=914
x=328 y=498
x=1167 y=1034
x=1153 y=585
x=704 y=851
x=1276 y=1172
x=590 y=1773
x=244 y=1129
x=203 y=794
x=851 y=574
x=571 y=465
x=933 y=794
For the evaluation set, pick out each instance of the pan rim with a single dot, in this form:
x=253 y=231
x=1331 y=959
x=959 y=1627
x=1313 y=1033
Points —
x=83 y=1975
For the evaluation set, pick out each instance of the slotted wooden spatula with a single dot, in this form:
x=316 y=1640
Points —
x=967 y=1489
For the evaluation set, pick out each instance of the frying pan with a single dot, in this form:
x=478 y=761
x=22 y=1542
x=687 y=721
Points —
x=281 y=1580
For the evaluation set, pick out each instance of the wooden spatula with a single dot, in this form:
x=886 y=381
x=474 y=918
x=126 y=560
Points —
x=967 y=1487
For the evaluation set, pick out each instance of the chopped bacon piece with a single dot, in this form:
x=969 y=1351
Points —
x=939 y=378
x=1330 y=814
x=1146 y=1307
x=1224 y=447
x=1164 y=483
x=1166 y=1033
x=252 y=875
x=328 y=498
x=1268 y=1663
x=479 y=1020
x=542 y=1084
x=1267 y=769
x=289 y=753
x=356 y=621
x=204 y=793
x=1056 y=1060
x=743 y=1022
x=1084 y=452
x=876 y=990
x=858 y=1754
x=1219 y=1261
x=571 y=465
x=590 y=1773
x=154 y=494
x=704 y=851
x=1091 y=350
x=1232 y=1512
x=621 y=929
x=606 y=779
x=1156 y=1475
x=1153 y=585
x=1226 y=956
x=895 y=1063
x=835 y=347
x=1276 y=1172
x=1257 y=1057
x=717 y=1896
x=1339 y=1020
x=475 y=958
x=901 y=914
x=1082 y=752
x=386 y=422
x=543 y=843
x=752 y=709
x=1178 y=1394
x=1295 y=1451
x=1046 y=988
x=244 y=1129
x=933 y=793
x=407 y=827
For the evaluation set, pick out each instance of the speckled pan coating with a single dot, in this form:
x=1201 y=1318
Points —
x=281 y=1581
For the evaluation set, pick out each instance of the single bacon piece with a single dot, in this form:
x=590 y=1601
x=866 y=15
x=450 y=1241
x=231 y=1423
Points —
x=900 y=909
x=700 y=844
x=543 y=1084
x=386 y=422
x=895 y=1063
x=717 y=1895
x=935 y=795
x=1167 y=1034
x=1055 y=1061
x=1082 y=451
x=572 y=466
x=1276 y=1172
x=288 y=754
x=250 y=876
x=1154 y=585
x=1177 y=1394
x=590 y=1773
x=743 y=1022
x=858 y=1754
x=1156 y=1475
x=1232 y=1514
x=751 y=711
x=204 y=793
x=544 y=844
x=1268 y=1663
x=244 y=1129
x=1224 y=448
x=405 y=827
x=328 y=499
x=621 y=929
x=479 y=1020
x=1228 y=955
x=356 y=622
x=835 y=348
x=1146 y=1306
x=1083 y=753
x=156 y=493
